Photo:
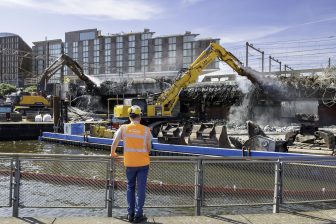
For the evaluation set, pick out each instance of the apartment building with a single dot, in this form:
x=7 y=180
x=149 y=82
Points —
x=15 y=59
x=134 y=54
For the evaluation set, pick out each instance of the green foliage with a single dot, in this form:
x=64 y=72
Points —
x=6 y=89
x=31 y=89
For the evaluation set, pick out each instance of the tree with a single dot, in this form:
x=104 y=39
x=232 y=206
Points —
x=30 y=89
x=6 y=89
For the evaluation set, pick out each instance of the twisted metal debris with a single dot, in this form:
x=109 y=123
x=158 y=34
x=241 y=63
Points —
x=217 y=93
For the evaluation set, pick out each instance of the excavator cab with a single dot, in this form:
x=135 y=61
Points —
x=121 y=111
x=148 y=109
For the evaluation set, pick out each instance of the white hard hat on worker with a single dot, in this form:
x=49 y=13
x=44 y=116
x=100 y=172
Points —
x=134 y=111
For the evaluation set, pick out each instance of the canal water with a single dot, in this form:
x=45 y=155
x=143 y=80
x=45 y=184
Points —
x=52 y=148
x=40 y=147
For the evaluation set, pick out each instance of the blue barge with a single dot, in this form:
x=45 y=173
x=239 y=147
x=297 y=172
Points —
x=160 y=149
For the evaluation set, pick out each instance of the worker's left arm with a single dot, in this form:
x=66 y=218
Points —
x=149 y=142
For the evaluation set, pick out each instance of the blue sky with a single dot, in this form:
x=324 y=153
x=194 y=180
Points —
x=230 y=20
x=234 y=21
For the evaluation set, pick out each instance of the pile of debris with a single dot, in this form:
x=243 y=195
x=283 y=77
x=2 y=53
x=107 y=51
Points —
x=307 y=137
x=222 y=93
x=75 y=114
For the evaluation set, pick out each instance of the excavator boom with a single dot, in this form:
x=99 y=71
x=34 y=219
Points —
x=169 y=97
x=58 y=64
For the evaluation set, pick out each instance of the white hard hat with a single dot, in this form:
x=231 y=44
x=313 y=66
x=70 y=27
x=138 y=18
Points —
x=135 y=109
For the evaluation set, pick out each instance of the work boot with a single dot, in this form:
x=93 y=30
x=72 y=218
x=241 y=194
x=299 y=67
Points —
x=130 y=217
x=140 y=219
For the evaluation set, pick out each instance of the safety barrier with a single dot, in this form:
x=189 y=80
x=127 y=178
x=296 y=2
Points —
x=77 y=181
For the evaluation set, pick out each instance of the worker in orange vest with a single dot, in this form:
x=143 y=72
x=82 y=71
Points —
x=137 y=141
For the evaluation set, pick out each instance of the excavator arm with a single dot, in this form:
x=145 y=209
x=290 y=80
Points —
x=169 y=97
x=58 y=64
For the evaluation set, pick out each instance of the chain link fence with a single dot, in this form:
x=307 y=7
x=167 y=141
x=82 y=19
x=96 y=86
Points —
x=238 y=183
x=171 y=181
x=68 y=181
x=306 y=181
x=6 y=176
x=63 y=183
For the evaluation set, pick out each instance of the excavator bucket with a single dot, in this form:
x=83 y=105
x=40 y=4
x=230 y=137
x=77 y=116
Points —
x=172 y=133
x=209 y=134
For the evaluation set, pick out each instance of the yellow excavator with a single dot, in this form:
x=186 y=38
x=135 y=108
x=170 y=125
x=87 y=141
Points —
x=157 y=112
x=166 y=102
x=65 y=60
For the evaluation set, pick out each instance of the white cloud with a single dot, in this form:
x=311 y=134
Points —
x=111 y=9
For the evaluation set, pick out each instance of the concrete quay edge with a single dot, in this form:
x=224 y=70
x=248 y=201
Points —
x=321 y=216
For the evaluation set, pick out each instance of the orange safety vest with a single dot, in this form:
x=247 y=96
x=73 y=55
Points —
x=135 y=138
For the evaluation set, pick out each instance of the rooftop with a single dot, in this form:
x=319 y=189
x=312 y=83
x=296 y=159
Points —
x=7 y=34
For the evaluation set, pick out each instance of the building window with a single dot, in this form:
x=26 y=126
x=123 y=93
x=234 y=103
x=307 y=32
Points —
x=145 y=36
x=157 y=54
x=188 y=38
x=171 y=54
x=131 y=38
x=187 y=52
x=119 y=63
x=87 y=35
x=144 y=56
x=144 y=62
x=119 y=45
x=107 y=52
x=186 y=45
x=66 y=50
x=107 y=55
x=172 y=40
x=157 y=61
x=96 y=56
x=172 y=47
x=131 y=69
x=144 y=49
x=119 y=57
x=144 y=43
x=119 y=51
x=54 y=52
x=158 y=41
x=131 y=50
x=158 y=48
x=171 y=60
x=131 y=63
x=131 y=53
x=119 y=39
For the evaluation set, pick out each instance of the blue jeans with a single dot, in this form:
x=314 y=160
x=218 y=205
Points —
x=136 y=175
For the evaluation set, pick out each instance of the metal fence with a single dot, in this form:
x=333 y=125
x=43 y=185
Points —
x=72 y=181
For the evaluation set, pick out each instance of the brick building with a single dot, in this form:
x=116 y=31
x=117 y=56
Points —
x=15 y=59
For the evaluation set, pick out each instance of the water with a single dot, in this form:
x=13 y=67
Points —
x=39 y=147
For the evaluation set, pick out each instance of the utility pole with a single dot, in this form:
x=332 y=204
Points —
x=287 y=67
x=247 y=45
x=270 y=63
x=256 y=49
